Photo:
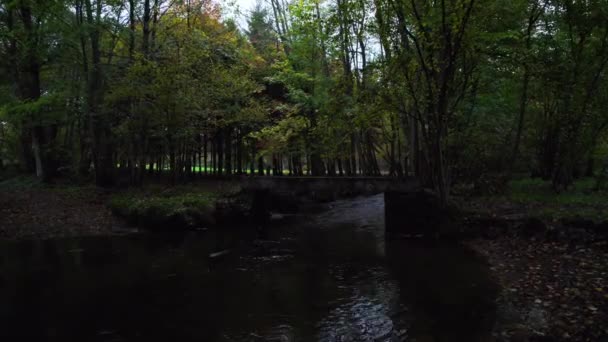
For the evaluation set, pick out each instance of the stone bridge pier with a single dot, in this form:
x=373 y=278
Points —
x=409 y=210
x=413 y=214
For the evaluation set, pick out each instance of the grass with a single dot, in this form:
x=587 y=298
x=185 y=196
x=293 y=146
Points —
x=154 y=206
x=580 y=200
x=167 y=202
x=160 y=208
x=32 y=183
x=20 y=182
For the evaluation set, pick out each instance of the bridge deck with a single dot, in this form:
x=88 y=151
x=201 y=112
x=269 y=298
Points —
x=307 y=184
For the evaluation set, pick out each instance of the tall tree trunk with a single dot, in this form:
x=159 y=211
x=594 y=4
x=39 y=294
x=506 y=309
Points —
x=102 y=151
x=155 y=19
x=252 y=160
x=261 y=166
x=131 y=29
x=239 y=152
x=84 y=123
x=205 y=142
x=220 y=151
x=228 y=149
x=43 y=134
x=146 y=28
x=25 y=135
x=213 y=155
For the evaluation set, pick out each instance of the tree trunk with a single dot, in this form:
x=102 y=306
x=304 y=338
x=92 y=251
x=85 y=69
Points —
x=145 y=45
x=228 y=149
x=102 y=151
x=220 y=152
x=261 y=166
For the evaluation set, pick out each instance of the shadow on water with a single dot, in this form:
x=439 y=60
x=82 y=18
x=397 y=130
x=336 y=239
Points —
x=329 y=276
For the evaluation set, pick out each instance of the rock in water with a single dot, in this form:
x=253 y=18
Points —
x=219 y=255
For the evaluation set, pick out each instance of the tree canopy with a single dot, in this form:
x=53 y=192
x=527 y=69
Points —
x=445 y=90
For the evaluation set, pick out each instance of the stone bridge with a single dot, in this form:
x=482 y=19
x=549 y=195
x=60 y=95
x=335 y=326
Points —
x=330 y=188
x=408 y=208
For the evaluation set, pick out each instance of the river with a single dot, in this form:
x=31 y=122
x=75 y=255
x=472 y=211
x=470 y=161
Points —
x=328 y=275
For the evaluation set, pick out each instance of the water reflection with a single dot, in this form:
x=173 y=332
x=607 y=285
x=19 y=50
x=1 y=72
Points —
x=329 y=277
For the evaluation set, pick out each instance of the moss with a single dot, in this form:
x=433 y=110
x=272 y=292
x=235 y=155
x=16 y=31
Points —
x=165 y=210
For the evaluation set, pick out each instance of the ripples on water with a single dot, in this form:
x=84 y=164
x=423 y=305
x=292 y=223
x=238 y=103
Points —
x=327 y=277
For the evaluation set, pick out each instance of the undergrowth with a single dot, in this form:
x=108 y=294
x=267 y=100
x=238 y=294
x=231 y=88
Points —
x=582 y=199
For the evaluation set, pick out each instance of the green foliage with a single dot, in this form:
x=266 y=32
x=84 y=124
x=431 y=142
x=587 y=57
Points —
x=447 y=91
x=261 y=34
x=46 y=110
x=284 y=136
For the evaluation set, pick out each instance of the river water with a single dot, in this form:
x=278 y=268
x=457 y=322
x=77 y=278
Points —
x=324 y=276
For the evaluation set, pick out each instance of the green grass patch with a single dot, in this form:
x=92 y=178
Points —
x=21 y=182
x=175 y=208
x=580 y=200
x=66 y=188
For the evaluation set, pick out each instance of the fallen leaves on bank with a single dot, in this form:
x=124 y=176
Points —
x=50 y=213
x=554 y=290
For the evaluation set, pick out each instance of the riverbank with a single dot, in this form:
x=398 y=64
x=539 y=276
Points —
x=553 y=290
x=551 y=262
x=197 y=206
x=549 y=253
x=30 y=210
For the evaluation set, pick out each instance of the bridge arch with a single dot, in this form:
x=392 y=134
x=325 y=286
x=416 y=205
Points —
x=409 y=210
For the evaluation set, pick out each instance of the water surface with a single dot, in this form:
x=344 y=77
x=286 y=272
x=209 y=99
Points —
x=329 y=276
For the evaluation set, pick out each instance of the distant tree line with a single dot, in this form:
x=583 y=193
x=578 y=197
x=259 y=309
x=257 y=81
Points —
x=445 y=90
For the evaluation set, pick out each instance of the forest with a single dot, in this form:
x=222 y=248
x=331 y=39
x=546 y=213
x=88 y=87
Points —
x=446 y=91
x=304 y=170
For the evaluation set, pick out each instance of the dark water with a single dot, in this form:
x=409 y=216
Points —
x=329 y=276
